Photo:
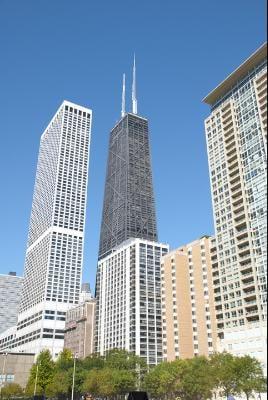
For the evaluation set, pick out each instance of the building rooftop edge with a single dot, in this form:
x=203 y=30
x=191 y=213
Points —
x=126 y=114
x=12 y=276
x=66 y=103
x=21 y=353
x=129 y=241
x=180 y=248
x=236 y=75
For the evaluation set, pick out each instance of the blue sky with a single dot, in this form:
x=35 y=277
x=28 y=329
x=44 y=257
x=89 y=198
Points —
x=78 y=50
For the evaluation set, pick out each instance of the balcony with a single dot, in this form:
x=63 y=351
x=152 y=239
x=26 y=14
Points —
x=246 y=261
x=227 y=125
x=250 y=296
x=237 y=206
x=236 y=194
x=233 y=165
x=241 y=228
x=229 y=136
x=240 y=217
x=227 y=109
x=244 y=254
x=253 y=312
x=232 y=158
x=231 y=152
x=247 y=278
x=253 y=318
x=239 y=210
x=235 y=178
x=243 y=247
x=243 y=239
x=250 y=303
x=248 y=275
x=236 y=172
x=227 y=117
x=249 y=287
x=244 y=269
x=236 y=186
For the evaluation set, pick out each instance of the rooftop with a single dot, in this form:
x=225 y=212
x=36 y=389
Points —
x=259 y=55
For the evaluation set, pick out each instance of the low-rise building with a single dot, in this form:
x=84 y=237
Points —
x=79 y=330
x=15 y=367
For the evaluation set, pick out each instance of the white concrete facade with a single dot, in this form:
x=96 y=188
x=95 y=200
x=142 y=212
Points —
x=236 y=133
x=54 y=255
x=10 y=293
x=128 y=314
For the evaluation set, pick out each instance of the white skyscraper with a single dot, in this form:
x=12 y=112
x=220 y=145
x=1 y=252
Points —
x=10 y=292
x=129 y=314
x=236 y=133
x=54 y=256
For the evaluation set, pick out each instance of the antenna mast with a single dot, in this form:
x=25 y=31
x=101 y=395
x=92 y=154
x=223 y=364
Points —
x=123 y=109
x=134 y=98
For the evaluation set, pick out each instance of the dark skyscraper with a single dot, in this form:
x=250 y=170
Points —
x=129 y=207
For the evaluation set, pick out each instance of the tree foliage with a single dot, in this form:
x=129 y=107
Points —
x=250 y=376
x=109 y=382
x=11 y=390
x=42 y=373
x=120 y=372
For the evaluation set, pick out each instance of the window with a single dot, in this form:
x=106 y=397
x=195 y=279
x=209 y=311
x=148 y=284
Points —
x=10 y=378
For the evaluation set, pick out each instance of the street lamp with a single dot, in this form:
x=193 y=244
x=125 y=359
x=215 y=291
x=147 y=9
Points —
x=3 y=372
x=35 y=381
x=75 y=355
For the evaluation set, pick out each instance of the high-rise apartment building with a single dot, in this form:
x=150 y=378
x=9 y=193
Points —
x=79 y=329
x=10 y=292
x=129 y=303
x=189 y=319
x=54 y=255
x=128 y=312
x=236 y=133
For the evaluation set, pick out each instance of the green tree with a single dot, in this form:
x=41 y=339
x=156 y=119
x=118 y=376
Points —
x=163 y=380
x=250 y=375
x=64 y=360
x=196 y=381
x=11 y=390
x=42 y=373
x=93 y=361
x=127 y=361
x=60 y=384
x=108 y=382
x=225 y=373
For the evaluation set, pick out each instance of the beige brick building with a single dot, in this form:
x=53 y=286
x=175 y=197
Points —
x=189 y=323
x=79 y=331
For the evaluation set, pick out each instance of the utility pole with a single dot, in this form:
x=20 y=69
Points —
x=3 y=373
x=36 y=377
x=72 y=398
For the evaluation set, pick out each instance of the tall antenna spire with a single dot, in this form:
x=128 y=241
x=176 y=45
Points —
x=123 y=109
x=134 y=98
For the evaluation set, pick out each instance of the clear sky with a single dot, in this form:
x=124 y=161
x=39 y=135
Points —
x=51 y=50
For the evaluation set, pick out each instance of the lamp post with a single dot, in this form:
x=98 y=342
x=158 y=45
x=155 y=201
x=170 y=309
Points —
x=72 y=398
x=35 y=381
x=3 y=372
